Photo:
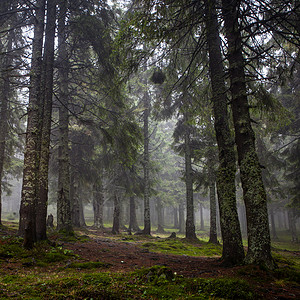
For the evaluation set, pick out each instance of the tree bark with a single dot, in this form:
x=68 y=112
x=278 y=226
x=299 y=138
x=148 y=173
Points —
x=190 y=218
x=31 y=157
x=259 y=245
x=213 y=237
x=160 y=218
x=201 y=216
x=98 y=203
x=233 y=252
x=42 y=197
x=175 y=214
x=181 y=219
x=64 y=219
x=147 y=220
x=6 y=64
x=77 y=205
x=292 y=225
x=133 y=224
x=274 y=233
x=117 y=212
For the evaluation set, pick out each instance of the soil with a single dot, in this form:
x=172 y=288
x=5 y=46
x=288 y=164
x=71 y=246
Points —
x=125 y=256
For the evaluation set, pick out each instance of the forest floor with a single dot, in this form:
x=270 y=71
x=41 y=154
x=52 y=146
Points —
x=99 y=251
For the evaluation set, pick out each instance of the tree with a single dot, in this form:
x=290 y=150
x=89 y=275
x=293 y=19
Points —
x=47 y=91
x=5 y=90
x=31 y=156
x=233 y=252
x=259 y=248
x=63 y=194
x=147 y=221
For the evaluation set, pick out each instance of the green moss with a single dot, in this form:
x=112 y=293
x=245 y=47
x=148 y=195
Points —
x=88 y=265
x=183 y=247
x=157 y=282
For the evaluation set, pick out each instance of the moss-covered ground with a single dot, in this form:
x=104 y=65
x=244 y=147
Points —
x=52 y=270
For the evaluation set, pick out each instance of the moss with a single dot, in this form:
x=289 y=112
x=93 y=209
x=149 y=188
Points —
x=89 y=265
x=184 y=247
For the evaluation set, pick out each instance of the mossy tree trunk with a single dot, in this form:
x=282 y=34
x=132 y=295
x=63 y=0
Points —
x=42 y=197
x=6 y=65
x=27 y=227
x=160 y=216
x=233 y=252
x=213 y=236
x=133 y=224
x=117 y=213
x=64 y=221
x=98 y=203
x=76 y=200
x=175 y=216
x=190 y=232
x=272 y=221
x=292 y=224
x=147 y=220
x=201 y=216
x=259 y=245
x=181 y=218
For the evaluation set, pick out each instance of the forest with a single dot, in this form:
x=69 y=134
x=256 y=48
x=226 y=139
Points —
x=149 y=149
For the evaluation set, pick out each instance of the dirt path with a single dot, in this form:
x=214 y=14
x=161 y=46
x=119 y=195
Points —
x=124 y=256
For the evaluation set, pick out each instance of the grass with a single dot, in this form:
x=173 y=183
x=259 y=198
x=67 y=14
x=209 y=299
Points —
x=161 y=284
x=50 y=271
x=182 y=247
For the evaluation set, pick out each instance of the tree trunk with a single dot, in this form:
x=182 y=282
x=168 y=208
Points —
x=175 y=214
x=77 y=207
x=213 y=237
x=201 y=216
x=233 y=252
x=147 y=221
x=6 y=64
x=181 y=219
x=64 y=218
x=133 y=224
x=160 y=218
x=274 y=234
x=116 y=219
x=98 y=203
x=27 y=227
x=42 y=197
x=292 y=225
x=190 y=222
x=259 y=244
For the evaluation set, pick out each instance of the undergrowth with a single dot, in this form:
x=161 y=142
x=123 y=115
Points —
x=153 y=283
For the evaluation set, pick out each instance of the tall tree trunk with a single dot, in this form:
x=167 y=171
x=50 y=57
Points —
x=259 y=244
x=81 y=214
x=201 y=216
x=6 y=65
x=175 y=215
x=74 y=196
x=27 y=222
x=274 y=234
x=117 y=212
x=160 y=218
x=147 y=221
x=292 y=225
x=181 y=218
x=64 y=219
x=190 y=218
x=98 y=203
x=213 y=237
x=233 y=252
x=133 y=224
x=42 y=197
